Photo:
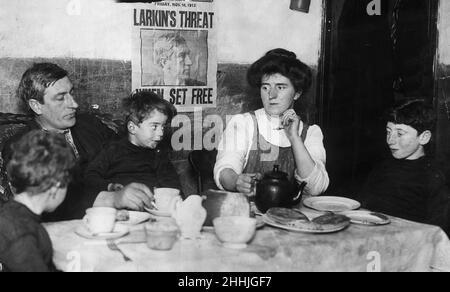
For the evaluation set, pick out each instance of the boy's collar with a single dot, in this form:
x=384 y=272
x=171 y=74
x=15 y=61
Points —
x=29 y=209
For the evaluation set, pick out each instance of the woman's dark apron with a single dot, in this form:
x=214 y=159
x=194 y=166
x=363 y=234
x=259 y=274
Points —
x=264 y=155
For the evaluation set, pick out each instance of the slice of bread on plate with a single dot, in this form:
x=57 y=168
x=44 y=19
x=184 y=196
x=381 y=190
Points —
x=286 y=216
x=330 y=221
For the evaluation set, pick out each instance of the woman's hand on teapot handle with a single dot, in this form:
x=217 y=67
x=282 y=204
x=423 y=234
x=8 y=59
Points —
x=246 y=183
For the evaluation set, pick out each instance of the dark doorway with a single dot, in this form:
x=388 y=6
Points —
x=368 y=64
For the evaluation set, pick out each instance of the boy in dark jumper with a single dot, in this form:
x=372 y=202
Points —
x=141 y=157
x=409 y=185
x=39 y=174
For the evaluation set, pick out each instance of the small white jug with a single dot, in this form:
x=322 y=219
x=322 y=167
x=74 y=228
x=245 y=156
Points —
x=190 y=216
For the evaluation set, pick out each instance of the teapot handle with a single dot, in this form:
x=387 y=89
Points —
x=301 y=188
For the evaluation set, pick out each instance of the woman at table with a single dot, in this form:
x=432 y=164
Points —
x=275 y=135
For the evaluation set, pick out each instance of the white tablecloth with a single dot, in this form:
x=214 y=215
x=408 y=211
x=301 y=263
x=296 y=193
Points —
x=400 y=246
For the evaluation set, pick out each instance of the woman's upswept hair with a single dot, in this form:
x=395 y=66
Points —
x=138 y=107
x=285 y=63
x=40 y=160
x=416 y=113
x=36 y=80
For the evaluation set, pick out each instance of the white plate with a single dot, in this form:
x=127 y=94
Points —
x=119 y=231
x=331 y=204
x=367 y=218
x=158 y=213
x=305 y=229
x=136 y=218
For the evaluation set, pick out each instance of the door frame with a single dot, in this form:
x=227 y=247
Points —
x=325 y=59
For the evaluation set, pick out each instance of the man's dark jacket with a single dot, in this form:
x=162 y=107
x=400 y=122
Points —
x=90 y=136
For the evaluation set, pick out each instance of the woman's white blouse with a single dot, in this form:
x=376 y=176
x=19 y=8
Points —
x=234 y=148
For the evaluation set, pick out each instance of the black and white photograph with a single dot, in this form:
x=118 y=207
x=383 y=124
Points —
x=224 y=143
x=174 y=58
x=174 y=52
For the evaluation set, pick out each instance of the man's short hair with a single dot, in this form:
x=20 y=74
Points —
x=164 y=47
x=40 y=160
x=36 y=80
x=140 y=105
x=416 y=113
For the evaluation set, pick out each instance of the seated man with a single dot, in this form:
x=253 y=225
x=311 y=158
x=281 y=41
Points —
x=141 y=157
x=409 y=185
x=39 y=174
x=47 y=93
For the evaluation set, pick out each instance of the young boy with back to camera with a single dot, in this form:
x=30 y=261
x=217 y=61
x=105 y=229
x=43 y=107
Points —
x=409 y=185
x=39 y=174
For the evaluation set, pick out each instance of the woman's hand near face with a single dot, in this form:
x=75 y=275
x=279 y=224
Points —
x=303 y=160
x=291 y=123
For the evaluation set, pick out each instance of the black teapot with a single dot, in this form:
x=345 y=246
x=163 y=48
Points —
x=275 y=190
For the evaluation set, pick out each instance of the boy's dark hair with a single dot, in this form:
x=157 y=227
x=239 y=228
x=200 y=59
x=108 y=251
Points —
x=40 y=160
x=36 y=80
x=416 y=113
x=285 y=63
x=141 y=104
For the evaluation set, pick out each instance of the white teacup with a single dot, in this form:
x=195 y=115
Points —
x=166 y=199
x=100 y=219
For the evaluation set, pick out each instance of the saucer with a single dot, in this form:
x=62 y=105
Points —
x=135 y=218
x=158 y=213
x=331 y=204
x=367 y=218
x=119 y=231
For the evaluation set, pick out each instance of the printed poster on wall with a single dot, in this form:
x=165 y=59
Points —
x=174 y=52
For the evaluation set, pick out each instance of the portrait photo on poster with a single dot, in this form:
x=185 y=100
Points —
x=174 y=57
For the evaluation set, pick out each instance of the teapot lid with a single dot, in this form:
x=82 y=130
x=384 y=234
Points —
x=276 y=173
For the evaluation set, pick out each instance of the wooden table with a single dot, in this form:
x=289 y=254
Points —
x=400 y=246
